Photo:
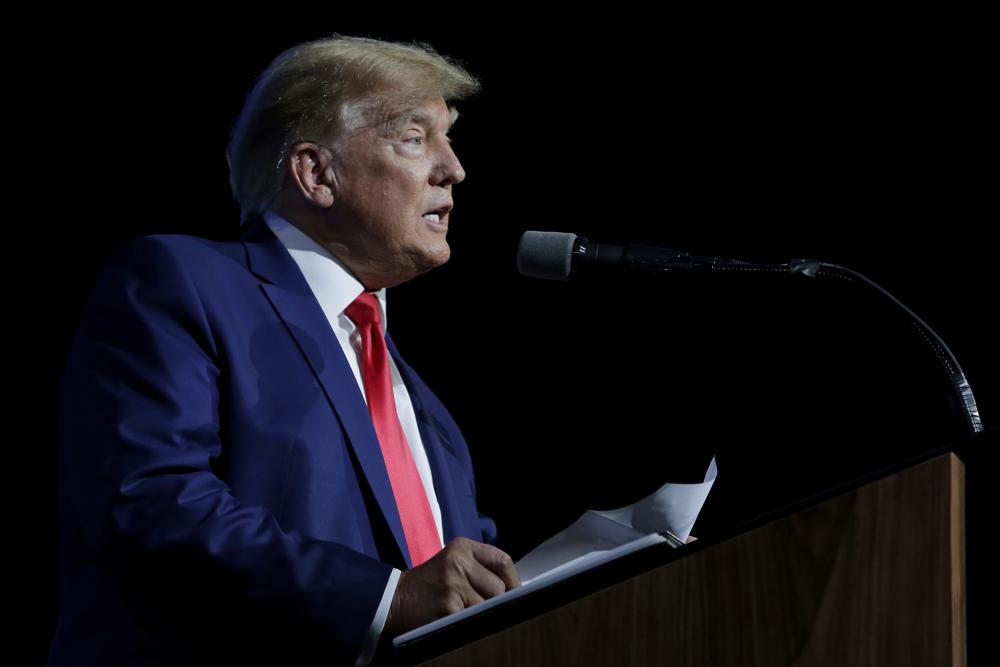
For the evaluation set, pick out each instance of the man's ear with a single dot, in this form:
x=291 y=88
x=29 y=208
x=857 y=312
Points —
x=310 y=168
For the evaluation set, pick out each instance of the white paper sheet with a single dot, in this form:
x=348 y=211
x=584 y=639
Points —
x=672 y=508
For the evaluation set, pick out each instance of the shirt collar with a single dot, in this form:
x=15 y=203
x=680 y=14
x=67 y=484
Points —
x=334 y=286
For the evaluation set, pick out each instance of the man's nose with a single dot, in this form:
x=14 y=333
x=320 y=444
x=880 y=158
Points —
x=449 y=170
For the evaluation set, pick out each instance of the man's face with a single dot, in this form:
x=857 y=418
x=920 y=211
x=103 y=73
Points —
x=393 y=191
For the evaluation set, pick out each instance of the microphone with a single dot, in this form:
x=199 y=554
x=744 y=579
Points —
x=563 y=256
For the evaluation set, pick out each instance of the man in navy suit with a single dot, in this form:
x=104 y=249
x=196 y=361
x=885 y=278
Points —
x=226 y=491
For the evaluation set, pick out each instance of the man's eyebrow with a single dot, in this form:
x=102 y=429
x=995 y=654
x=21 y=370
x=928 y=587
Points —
x=418 y=117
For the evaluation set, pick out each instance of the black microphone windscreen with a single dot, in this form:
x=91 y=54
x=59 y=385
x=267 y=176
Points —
x=546 y=255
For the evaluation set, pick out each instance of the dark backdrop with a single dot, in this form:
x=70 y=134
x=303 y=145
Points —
x=861 y=143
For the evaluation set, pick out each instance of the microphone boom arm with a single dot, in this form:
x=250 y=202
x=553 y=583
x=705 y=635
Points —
x=960 y=387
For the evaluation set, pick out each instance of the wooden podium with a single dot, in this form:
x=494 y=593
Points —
x=871 y=574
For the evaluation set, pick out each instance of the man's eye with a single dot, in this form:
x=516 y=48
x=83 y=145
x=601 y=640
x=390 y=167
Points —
x=417 y=140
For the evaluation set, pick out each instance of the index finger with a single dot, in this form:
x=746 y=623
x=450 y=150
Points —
x=498 y=562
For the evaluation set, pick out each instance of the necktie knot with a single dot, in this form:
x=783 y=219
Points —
x=364 y=310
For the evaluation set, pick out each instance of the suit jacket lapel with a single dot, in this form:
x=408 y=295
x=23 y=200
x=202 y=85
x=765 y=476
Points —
x=289 y=294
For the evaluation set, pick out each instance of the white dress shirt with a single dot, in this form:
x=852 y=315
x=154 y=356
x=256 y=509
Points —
x=336 y=288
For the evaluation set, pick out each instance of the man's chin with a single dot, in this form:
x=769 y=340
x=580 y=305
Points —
x=421 y=263
x=437 y=258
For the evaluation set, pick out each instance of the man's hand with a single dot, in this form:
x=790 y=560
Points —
x=460 y=575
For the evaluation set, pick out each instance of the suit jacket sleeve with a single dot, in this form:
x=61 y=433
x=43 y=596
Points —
x=141 y=441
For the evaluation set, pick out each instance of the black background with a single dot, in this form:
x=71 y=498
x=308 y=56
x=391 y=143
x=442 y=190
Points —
x=864 y=141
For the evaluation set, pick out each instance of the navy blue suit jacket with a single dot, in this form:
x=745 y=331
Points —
x=223 y=494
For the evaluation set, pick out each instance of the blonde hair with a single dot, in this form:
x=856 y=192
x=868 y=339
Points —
x=301 y=94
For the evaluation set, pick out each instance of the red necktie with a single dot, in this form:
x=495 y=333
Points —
x=411 y=500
